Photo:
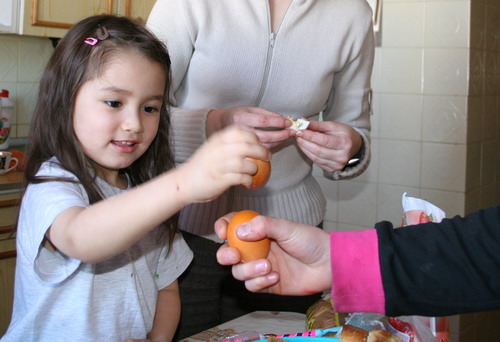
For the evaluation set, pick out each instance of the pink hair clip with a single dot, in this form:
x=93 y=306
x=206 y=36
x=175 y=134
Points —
x=101 y=33
x=91 y=41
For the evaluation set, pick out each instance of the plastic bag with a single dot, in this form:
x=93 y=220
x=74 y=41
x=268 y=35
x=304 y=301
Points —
x=406 y=328
x=411 y=329
x=418 y=211
x=367 y=321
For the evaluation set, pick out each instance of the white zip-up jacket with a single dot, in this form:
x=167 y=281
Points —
x=224 y=54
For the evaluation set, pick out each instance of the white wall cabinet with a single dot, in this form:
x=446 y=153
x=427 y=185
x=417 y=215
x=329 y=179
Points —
x=9 y=16
x=52 y=18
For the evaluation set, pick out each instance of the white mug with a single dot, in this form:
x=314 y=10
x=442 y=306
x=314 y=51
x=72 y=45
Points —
x=5 y=160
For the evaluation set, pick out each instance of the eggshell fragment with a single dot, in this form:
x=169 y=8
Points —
x=298 y=124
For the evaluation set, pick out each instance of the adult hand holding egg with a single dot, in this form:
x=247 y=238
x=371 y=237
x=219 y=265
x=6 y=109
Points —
x=296 y=252
x=249 y=250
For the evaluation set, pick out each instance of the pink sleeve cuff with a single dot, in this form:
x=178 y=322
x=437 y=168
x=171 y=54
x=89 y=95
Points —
x=356 y=279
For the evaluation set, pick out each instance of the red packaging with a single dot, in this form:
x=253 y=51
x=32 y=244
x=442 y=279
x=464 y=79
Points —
x=419 y=211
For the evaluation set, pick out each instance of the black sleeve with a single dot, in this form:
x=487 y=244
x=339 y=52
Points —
x=439 y=269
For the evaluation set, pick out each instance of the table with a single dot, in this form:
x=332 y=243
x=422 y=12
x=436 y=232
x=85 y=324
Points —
x=265 y=322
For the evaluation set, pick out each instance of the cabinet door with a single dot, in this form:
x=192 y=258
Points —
x=8 y=213
x=138 y=9
x=52 y=18
x=7 y=271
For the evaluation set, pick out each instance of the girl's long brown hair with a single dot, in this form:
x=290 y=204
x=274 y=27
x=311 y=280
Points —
x=73 y=63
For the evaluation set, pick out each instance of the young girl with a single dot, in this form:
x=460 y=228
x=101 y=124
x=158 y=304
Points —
x=98 y=260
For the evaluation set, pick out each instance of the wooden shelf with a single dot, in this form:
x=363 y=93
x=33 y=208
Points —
x=8 y=254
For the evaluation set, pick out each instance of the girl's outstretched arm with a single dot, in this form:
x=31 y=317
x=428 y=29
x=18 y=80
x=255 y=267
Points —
x=111 y=226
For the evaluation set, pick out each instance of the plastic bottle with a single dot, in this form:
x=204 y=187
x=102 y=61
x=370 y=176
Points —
x=6 y=110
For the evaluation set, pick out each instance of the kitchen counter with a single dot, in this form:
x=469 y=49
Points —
x=11 y=182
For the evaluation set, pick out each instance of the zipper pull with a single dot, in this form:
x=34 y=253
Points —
x=271 y=39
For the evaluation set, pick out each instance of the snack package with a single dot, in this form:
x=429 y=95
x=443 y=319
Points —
x=242 y=337
x=420 y=211
x=373 y=327
x=411 y=329
x=322 y=315
x=366 y=320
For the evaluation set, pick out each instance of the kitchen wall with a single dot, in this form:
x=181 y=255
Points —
x=436 y=119
x=22 y=60
x=436 y=123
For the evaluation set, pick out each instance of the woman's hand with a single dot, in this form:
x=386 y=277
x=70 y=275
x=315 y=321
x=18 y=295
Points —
x=298 y=262
x=270 y=127
x=329 y=144
x=221 y=162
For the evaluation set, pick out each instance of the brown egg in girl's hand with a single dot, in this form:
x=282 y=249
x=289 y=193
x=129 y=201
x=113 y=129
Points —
x=249 y=250
x=260 y=178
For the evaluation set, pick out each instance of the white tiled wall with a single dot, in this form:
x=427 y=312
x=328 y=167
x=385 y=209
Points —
x=436 y=123
x=22 y=60
x=436 y=115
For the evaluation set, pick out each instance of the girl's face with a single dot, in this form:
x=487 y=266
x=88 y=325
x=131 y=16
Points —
x=116 y=114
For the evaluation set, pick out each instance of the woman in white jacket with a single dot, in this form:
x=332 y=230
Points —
x=255 y=63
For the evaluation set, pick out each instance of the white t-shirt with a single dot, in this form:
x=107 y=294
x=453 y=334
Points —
x=58 y=298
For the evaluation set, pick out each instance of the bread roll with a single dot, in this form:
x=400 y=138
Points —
x=379 y=335
x=351 y=333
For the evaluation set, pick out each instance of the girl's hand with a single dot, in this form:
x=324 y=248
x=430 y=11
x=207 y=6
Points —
x=298 y=262
x=221 y=163
x=270 y=127
x=329 y=144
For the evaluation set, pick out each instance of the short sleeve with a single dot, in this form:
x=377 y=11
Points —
x=41 y=204
x=173 y=264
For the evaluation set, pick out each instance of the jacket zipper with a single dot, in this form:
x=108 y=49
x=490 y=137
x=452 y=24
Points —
x=269 y=57
x=270 y=51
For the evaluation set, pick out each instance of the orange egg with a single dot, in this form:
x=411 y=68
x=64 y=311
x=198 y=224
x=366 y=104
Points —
x=249 y=250
x=260 y=178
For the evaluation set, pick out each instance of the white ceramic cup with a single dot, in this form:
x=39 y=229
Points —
x=5 y=161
